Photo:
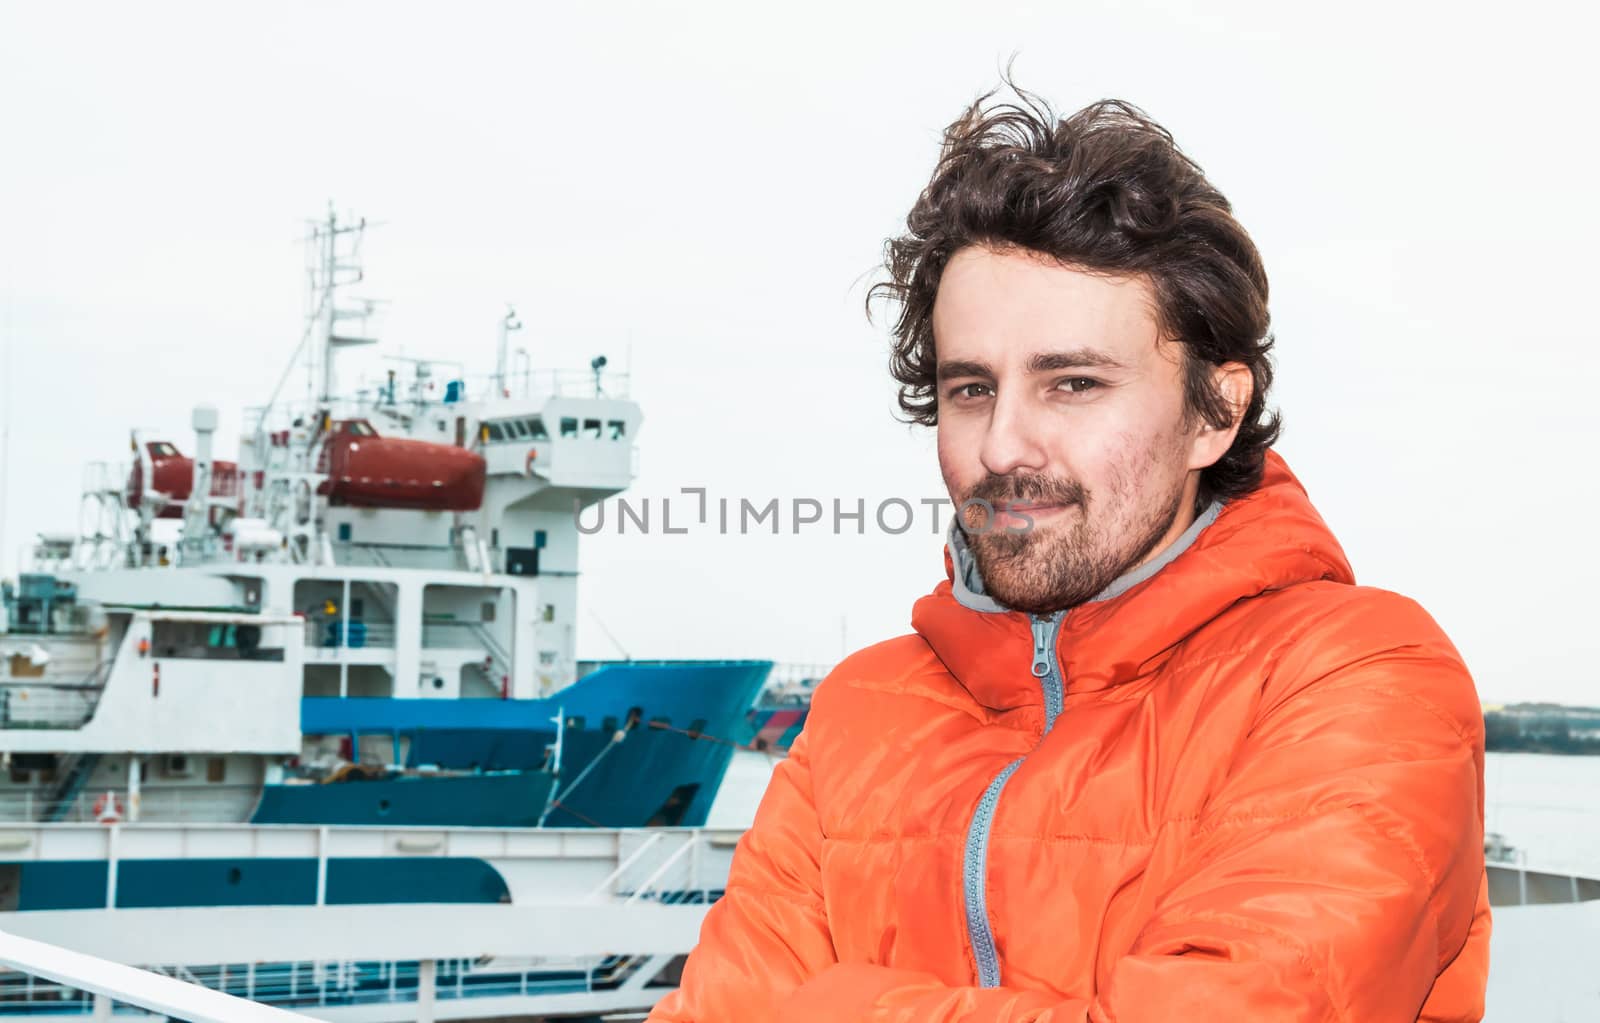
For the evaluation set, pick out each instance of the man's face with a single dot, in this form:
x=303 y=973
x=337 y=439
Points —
x=1059 y=399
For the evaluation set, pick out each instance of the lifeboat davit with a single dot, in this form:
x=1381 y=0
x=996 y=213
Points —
x=172 y=474
x=368 y=471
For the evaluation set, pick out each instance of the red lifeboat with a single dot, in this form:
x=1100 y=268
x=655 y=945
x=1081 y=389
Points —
x=173 y=475
x=368 y=471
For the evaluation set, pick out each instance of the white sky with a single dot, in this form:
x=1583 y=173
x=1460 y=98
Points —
x=709 y=188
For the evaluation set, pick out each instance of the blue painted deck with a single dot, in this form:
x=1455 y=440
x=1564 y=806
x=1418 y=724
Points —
x=713 y=692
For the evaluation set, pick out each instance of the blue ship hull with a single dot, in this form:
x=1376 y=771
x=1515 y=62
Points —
x=643 y=743
x=664 y=771
x=650 y=778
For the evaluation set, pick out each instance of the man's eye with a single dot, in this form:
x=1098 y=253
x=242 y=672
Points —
x=1077 y=385
x=969 y=391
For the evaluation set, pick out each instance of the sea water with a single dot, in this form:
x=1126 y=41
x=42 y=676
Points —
x=1546 y=806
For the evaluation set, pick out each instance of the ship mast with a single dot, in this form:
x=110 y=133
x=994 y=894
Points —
x=507 y=325
x=289 y=504
x=329 y=266
x=335 y=249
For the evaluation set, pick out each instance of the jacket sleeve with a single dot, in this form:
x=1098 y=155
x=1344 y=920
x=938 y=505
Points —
x=767 y=933
x=1333 y=875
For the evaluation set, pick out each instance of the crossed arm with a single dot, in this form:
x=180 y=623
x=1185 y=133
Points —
x=1333 y=877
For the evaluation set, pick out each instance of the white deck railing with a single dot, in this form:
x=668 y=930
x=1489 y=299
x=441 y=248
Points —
x=370 y=988
x=114 y=982
x=46 y=706
x=200 y=804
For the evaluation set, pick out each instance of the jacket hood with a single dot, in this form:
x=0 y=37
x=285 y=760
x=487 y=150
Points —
x=1266 y=540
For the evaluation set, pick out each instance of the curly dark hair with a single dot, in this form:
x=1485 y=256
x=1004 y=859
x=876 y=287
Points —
x=1105 y=190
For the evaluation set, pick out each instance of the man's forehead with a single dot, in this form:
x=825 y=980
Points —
x=1022 y=310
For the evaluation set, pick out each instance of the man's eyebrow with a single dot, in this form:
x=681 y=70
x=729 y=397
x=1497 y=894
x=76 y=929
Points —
x=1076 y=358
x=964 y=368
x=1039 y=362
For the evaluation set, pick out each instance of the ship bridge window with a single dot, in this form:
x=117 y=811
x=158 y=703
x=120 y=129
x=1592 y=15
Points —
x=522 y=429
x=161 y=449
x=591 y=428
x=360 y=428
x=569 y=426
x=617 y=428
x=243 y=641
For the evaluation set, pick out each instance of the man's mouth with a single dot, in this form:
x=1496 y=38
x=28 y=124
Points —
x=1020 y=516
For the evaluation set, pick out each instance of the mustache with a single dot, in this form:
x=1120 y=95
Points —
x=1027 y=488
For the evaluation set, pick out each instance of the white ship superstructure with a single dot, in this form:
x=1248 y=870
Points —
x=470 y=486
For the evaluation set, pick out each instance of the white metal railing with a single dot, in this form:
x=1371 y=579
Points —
x=47 y=706
x=450 y=635
x=323 y=984
x=377 y=635
x=105 y=476
x=356 y=982
x=491 y=644
x=467 y=635
x=541 y=383
x=790 y=684
x=1536 y=886
x=372 y=399
x=679 y=866
x=167 y=804
x=795 y=673
x=113 y=982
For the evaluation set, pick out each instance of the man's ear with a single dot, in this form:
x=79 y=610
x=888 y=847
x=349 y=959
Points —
x=1236 y=384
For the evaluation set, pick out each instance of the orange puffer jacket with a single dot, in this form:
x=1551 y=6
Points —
x=1233 y=787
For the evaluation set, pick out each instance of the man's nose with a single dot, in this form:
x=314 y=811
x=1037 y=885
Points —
x=1014 y=439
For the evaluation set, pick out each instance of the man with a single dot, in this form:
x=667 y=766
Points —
x=1150 y=754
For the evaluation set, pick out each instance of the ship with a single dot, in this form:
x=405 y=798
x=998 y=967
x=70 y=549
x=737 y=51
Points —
x=363 y=622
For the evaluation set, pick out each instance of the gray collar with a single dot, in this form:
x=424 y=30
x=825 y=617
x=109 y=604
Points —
x=969 y=584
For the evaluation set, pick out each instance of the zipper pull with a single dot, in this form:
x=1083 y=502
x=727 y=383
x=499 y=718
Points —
x=1041 y=647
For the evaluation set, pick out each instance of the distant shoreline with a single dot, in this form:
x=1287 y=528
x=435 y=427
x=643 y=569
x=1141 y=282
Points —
x=1542 y=728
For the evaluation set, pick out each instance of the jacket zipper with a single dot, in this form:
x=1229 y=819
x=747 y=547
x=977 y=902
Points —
x=1046 y=668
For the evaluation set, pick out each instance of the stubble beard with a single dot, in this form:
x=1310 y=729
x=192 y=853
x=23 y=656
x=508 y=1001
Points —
x=1058 y=566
